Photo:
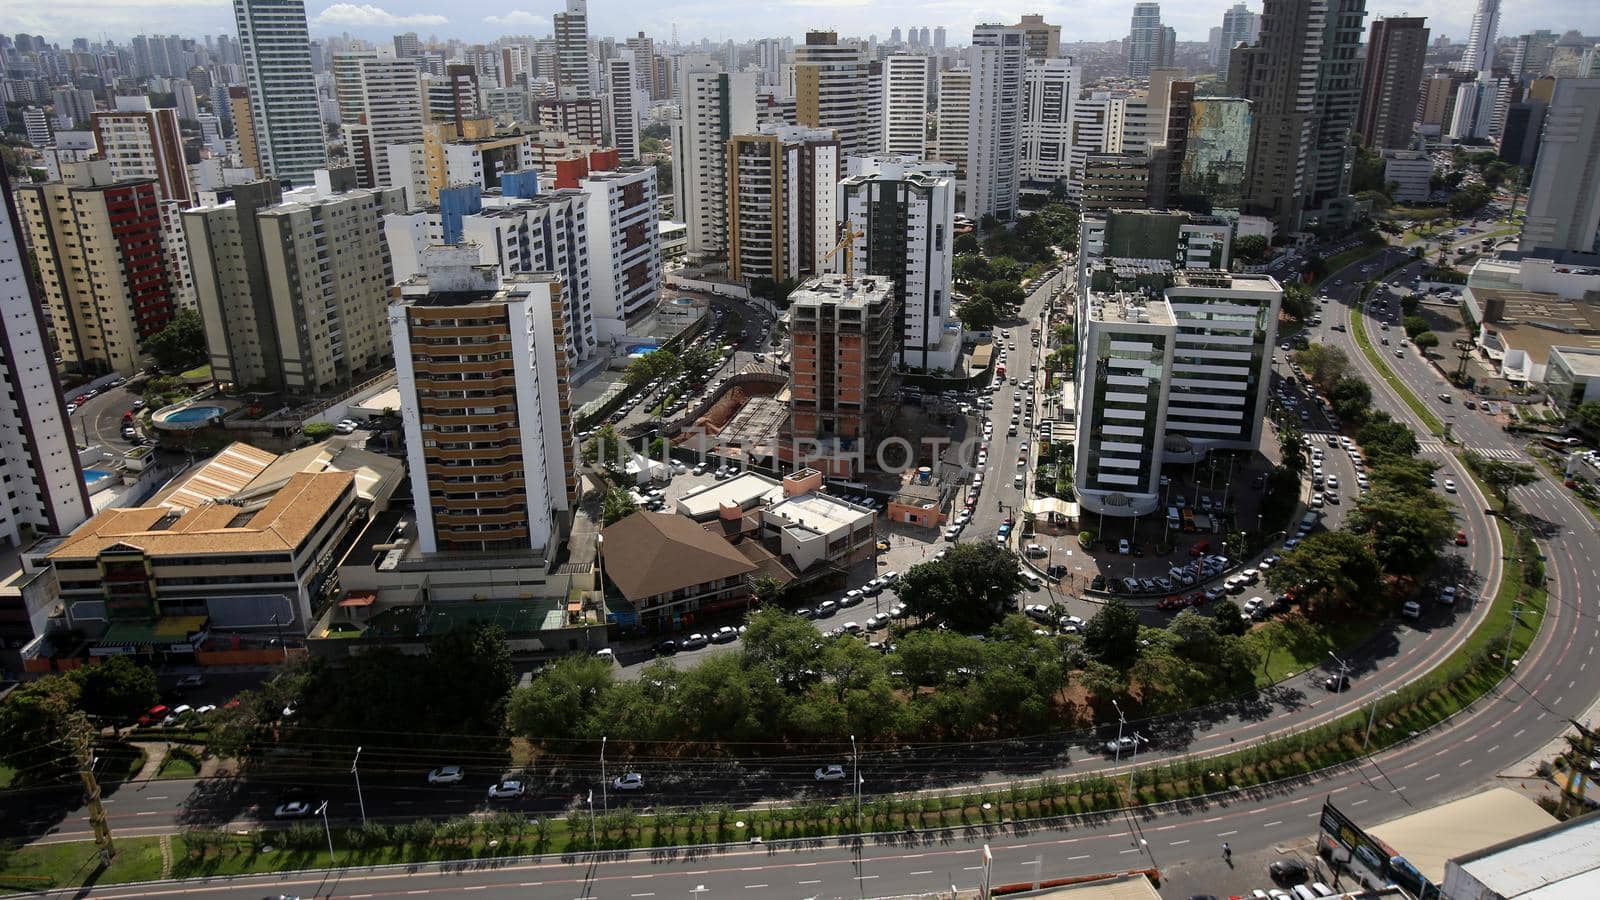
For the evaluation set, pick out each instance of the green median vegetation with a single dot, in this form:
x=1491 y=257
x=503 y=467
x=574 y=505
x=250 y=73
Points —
x=1358 y=330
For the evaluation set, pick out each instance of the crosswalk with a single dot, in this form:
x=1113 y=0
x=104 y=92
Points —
x=1436 y=447
x=1497 y=453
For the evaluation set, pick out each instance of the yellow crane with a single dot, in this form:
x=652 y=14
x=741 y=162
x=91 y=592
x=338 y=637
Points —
x=847 y=244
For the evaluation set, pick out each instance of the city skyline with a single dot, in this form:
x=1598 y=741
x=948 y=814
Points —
x=1095 y=20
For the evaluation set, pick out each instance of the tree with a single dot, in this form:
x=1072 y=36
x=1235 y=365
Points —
x=970 y=268
x=969 y=589
x=1501 y=475
x=1252 y=249
x=1414 y=325
x=1297 y=302
x=1405 y=526
x=966 y=243
x=1384 y=439
x=978 y=314
x=317 y=431
x=39 y=722
x=559 y=697
x=1331 y=568
x=1229 y=618
x=1588 y=416
x=1292 y=449
x=1351 y=399
x=470 y=672
x=1469 y=200
x=1003 y=294
x=610 y=453
x=616 y=505
x=118 y=689
x=1112 y=635
x=1325 y=363
x=651 y=366
x=1426 y=340
x=181 y=345
x=783 y=642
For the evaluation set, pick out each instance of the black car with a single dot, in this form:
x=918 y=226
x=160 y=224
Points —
x=1337 y=683
x=666 y=648
x=1098 y=584
x=1289 y=871
x=1057 y=571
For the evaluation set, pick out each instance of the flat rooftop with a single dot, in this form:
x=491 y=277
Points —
x=1430 y=838
x=1558 y=862
x=818 y=512
x=1583 y=361
x=744 y=490
x=1129 y=309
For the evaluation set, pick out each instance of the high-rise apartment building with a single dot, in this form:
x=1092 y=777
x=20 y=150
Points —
x=624 y=244
x=140 y=142
x=407 y=46
x=1338 y=98
x=713 y=106
x=1564 y=198
x=1239 y=26
x=582 y=120
x=994 y=127
x=97 y=240
x=1166 y=378
x=292 y=285
x=1479 y=55
x=954 y=117
x=1043 y=39
x=625 y=101
x=906 y=78
x=45 y=489
x=485 y=402
x=283 y=90
x=391 y=111
x=1147 y=40
x=782 y=208
x=1097 y=127
x=843 y=339
x=1391 y=83
x=903 y=212
x=573 y=78
x=347 y=83
x=1050 y=89
x=36 y=122
x=834 y=89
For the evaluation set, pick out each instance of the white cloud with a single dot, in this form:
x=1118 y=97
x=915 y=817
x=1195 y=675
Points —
x=517 y=17
x=355 y=15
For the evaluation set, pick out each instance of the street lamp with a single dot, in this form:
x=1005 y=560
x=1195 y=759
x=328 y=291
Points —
x=359 y=799
x=1344 y=668
x=1371 y=715
x=323 y=812
x=1121 y=721
x=605 y=795
x=855 y=774
x=1134 y=766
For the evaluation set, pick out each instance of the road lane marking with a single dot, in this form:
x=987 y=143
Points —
x=921 y=872
x=1464 y=762
x=748 y=887
x=1177 y=843
x=1358 y=802
x=649 y=894
x=1076 y=858
x=1431 y=777
x=1129 y=850
x=1226 y=833
x=1273 y=824
x=814 y=881
x=1494 y=748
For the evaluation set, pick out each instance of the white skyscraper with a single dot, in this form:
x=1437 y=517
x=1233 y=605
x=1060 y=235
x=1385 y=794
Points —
x=905 y=105
x=1239 y=26
x=1146 y=39
x=624 y=245
x=1050 y=92
x=1479 y=56
x=835 y=88
x=46 y=492
x=393 y=109
x=955 y=112
x=903 y=211
x=713 y=106
x=283 y=92
x=994 y=132
x=624 y=102
x=1564 y=198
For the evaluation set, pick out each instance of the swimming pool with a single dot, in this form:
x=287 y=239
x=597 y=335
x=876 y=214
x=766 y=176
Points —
x=96 y=478
x=642 y=349
x=193 y=414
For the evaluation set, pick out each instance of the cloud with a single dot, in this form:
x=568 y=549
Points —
x=517 y=17
x=353 y=15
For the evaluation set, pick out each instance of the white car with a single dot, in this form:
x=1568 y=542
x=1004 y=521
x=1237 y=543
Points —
x=831 y=773
x=447 y=775
x=294 y=809
x=507 y=789
x=631 y=781
x=1449 y=485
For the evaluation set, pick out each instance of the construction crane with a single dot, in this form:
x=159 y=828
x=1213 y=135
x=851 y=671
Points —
x=847 y=244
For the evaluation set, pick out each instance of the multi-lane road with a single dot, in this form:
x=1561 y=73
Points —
x=1549 y=685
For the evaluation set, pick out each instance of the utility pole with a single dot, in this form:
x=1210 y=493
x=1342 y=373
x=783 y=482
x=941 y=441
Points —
x=359 y=799
x=83 y=738
x=855 y=774
x=605 y=788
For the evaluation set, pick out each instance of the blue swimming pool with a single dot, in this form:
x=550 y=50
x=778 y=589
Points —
x=194 y=414
x=94 y=478
x=642 y=349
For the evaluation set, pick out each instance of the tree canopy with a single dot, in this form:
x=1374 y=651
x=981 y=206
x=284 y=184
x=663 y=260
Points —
x=968 y=589
x=181 y=345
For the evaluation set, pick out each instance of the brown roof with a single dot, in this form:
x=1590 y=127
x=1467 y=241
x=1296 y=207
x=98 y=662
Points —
x=281 y=524
x=653 y=553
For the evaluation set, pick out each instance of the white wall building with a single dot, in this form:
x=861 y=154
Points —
x=624 y=102
x=625 y=246
x=905 y=105
x=1050 y=93
x=955 y=113
x=38 y=456
x=994 y=132
x=904 y=212
x=392 y=105
x=283 y=91
x=713 y=106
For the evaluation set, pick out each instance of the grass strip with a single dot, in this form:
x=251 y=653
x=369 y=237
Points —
x=1358 y=330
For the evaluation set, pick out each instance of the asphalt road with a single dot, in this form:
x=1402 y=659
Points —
x=99 y=420
x=1549 y=685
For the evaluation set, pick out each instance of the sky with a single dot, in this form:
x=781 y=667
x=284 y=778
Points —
x=483 y=20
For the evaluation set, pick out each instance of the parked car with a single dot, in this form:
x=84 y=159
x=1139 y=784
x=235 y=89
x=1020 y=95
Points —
x=292 y=809
x=507 y=789
x=630 y=781
x=695 y=641
x=725 y=634
x=830 y=773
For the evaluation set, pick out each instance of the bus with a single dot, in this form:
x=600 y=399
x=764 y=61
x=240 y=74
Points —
x=1000 y=370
